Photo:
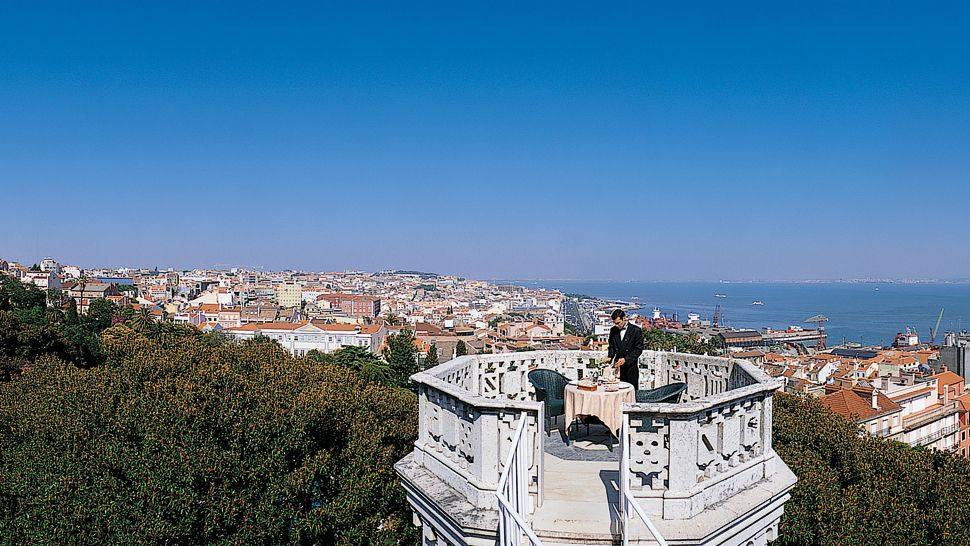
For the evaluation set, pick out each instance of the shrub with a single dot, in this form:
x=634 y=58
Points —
x=863 y=490
x=181 y=438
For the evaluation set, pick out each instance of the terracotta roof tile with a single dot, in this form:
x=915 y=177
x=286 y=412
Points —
x=851 y=404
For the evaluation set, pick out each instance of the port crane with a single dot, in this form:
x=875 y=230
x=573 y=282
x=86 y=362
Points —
x=936 y=328
x=820 y=320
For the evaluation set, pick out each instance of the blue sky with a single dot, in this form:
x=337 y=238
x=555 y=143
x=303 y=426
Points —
x=527 y=140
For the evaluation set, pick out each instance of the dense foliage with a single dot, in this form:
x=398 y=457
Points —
x=863 y=490
x=29 y=328
x=431 y=358
x=659 y=340
x=184 y=438
x=366 y=364
x=401 y=354
x=117 y=429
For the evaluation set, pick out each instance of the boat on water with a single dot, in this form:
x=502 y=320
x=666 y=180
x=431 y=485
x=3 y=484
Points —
x=757 y=302
x=720 y=296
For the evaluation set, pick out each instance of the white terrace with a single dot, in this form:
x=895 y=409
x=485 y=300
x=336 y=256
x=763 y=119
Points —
x=697 y=472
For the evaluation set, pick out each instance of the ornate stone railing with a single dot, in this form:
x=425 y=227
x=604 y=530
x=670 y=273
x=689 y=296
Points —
x=689 y=456
x=684 y=457
x=465 y=438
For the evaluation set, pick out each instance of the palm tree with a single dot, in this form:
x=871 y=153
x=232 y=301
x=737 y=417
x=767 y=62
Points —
x=83 y=281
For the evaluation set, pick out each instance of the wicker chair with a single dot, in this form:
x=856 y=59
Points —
x=666 y=394
x=550 y=387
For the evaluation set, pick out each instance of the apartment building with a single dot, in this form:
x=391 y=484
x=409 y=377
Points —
x=927 y=411
x=42 y=279
x=86 y=293
x=289 y=294
x=355 y=305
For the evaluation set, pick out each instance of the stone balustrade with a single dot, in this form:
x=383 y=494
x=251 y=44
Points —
x=689 y=456
x=464 y=437
x=684 y=458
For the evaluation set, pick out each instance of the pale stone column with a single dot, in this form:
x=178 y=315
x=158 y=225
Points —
x=490 y=451
x=681 y=467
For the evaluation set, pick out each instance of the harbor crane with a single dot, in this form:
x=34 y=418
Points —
x=936 y=328
x=820 y=320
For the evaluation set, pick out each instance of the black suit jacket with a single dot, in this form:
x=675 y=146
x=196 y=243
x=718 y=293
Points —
x=628 y=348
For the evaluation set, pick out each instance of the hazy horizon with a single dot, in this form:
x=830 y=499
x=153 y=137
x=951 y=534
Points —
x=702 y=142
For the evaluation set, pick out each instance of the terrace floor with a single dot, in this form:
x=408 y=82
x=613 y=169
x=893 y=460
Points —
x=581 y=489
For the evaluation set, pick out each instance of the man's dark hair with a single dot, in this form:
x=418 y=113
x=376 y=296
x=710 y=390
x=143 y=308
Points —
x=617 y=314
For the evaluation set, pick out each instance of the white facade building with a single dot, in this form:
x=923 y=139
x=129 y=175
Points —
x=299 y=338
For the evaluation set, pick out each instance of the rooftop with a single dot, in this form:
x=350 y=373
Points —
x=701 y=471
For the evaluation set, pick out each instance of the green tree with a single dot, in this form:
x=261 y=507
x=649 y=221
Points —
x=100 y=314
x=358 y=359
x=855 y=489
x=460 y=348
x=82 y=281
x=18 y=296
x=401 y=355
x=177 y=440
x=70 y=313
x=659 y=340
x=431 y=358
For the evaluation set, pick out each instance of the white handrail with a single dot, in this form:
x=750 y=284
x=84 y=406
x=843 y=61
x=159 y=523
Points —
x=627 y=500
x=513 y=492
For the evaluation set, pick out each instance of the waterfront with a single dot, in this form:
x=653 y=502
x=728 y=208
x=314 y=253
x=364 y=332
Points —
x=870 y=313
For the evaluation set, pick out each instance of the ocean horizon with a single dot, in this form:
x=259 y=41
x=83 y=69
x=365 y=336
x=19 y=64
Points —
x=867 y=312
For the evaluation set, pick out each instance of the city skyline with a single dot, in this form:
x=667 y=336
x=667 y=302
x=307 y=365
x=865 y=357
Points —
x=90 y=266
x=822 y=142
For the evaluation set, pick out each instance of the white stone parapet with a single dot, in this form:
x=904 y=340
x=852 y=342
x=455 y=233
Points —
x=463 y=436
x=688 y=456
x=686 y=459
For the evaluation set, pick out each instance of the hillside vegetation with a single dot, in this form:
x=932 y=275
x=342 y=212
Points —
x=864 y=490
x=176 y=437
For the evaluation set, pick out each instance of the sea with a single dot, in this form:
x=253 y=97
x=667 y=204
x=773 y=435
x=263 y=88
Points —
x=865 y=313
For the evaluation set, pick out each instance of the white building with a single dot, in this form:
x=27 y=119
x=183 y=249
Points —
x=43 y=279
x=50 y=264
x=299 y=338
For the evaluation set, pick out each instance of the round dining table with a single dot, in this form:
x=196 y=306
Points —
x=602 y=403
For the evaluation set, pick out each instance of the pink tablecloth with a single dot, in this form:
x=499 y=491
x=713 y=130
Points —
x=603 y=404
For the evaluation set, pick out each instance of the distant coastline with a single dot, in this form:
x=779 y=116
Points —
x=865 y=312
x=748 y=281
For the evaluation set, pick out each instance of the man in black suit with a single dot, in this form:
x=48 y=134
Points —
x=626 y=344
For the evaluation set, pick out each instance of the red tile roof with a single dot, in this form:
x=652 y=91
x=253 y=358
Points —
x=946 y=378
x=851 y=404
x=290 y=326
x=964 y=401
